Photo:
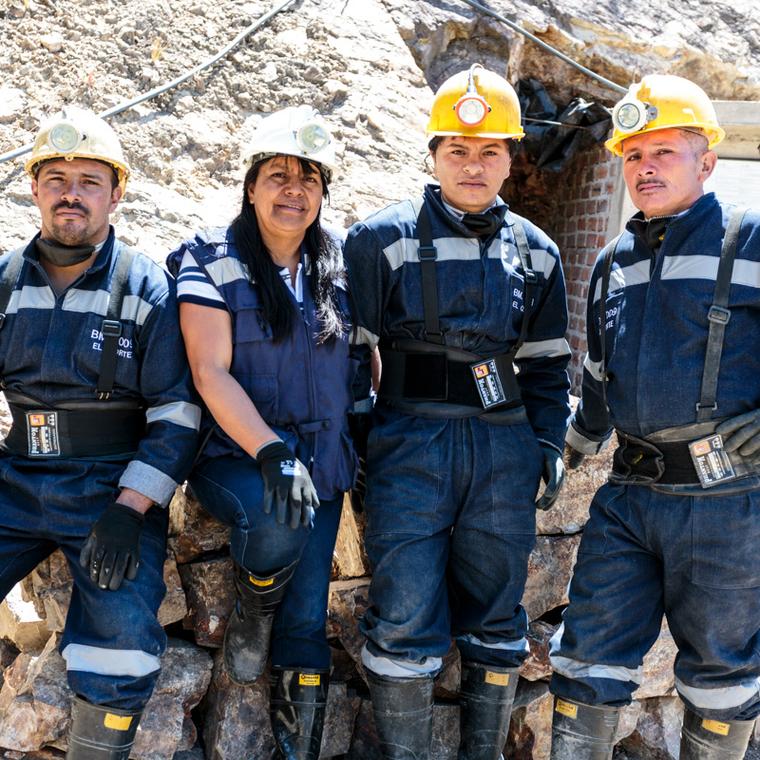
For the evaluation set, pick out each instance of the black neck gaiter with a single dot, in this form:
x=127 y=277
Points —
x=63 y=255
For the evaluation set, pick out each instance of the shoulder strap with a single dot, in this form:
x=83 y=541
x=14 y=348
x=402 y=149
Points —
x=111 y=327
x=428 y=254
x=9 y=279
x=523 y=251
x=607 y=262
x=718 y=317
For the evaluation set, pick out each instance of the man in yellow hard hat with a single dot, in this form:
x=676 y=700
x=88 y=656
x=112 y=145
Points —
x=104 y=425
x=673 y=365
x=456 y=290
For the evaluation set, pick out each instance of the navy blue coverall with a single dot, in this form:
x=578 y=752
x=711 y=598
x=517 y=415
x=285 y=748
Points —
x=680 y=550
x=451 y=488
x=50 y=350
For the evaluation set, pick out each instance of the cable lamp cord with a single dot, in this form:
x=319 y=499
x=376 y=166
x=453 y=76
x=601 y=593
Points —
x=174 y=82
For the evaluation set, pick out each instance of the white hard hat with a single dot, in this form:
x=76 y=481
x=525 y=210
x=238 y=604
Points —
x=78 y=133
x=296 y=131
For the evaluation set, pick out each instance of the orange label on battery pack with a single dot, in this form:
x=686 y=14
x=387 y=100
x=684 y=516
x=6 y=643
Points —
x=497 y=679
x=716 y=727
x=117 y=722
x=37 y=420
x=566 y=708
x=308 y=679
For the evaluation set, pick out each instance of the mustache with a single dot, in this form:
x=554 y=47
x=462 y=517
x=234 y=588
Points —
x=648 y=182
x=73 y=205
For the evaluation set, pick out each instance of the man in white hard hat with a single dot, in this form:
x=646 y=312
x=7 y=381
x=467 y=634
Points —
x=673 y=365
x=104 y=425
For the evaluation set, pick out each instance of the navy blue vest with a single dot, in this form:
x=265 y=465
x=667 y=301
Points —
x=300 y=387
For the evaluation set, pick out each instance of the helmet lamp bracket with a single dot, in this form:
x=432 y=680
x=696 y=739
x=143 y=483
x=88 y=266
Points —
x=632 y=115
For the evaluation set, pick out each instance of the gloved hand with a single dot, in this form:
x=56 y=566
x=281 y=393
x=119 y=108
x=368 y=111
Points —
x=574 y=457
x=359 y=426
x=287 y=485
x=112 y=550
x=741 y=433
x=554 y=477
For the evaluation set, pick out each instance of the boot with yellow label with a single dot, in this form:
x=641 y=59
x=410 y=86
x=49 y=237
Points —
x=485 y=697
x=297 y=711
x=249 y=629
x=101 y=733
x=705 y=739
x=583 y=732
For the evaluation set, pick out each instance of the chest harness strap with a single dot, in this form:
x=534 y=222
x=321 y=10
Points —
x=418 y=371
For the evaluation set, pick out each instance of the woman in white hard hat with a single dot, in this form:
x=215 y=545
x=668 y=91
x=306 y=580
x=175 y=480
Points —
x=264 y=313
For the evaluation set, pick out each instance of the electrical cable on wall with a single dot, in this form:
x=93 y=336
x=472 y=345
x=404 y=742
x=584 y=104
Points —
x=532 y=37
x=174 y=82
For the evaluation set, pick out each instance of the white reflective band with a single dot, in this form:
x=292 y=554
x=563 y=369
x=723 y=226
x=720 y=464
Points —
x=404 y=251
x=110 y=662
x=385 y=666
x=579 y=442
x=360 y=336
x=534 y=349
x=706 y=268
x=179 y=412
x=578 y=670
x=226 y=270
x=31 y=298
x=133 y=308
x=540 y=260
x=624 y=277
x=521 y=645
x=594 y=368
x=721 y=698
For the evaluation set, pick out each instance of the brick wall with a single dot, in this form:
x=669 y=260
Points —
x=587 y=216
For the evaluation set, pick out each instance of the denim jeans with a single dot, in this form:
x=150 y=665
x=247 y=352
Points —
x=112 y=640
x=231 y=489
x=693 y=558
x=451 y=522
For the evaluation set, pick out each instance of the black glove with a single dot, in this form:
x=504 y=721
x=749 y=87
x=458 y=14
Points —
x=574 y=457
x=112 y=550
x=741 y=433
x=359 y=426
x=287 y=485
x=554 y=477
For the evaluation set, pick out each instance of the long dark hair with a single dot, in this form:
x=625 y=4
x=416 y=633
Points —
x=325 y=260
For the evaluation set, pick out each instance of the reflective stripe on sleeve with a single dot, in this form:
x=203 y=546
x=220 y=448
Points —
x=226 y=270
x=533 y=349
x=180 y=413
x=360 y=336
x=110 y=662
x=594 y=368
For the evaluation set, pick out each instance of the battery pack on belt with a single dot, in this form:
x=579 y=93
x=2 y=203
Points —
x=68 y=433
x=435 y=375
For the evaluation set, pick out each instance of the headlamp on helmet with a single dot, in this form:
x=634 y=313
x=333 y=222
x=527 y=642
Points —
x=471 y=109
x=632 y=115
x=312 y=137
x=64 y=137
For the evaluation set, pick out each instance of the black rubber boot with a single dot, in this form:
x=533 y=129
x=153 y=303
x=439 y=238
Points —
x=297 y=709
x=705 y=739
x=485 y=697
x=583 y=732
x=403 y=709
x=246 y=640
x=101 y=733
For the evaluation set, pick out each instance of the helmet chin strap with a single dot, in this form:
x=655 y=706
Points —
x=61 y=255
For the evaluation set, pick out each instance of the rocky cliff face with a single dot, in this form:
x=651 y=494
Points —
x=369 y=66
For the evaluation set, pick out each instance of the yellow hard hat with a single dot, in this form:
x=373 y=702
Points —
x=663 y=101
x=78 y=133
x=476 y=103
